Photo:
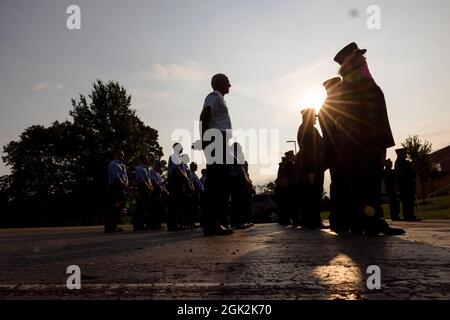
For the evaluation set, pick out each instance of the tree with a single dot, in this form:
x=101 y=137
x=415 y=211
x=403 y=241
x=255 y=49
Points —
x=58 y=174
x=419 y=154
x=269 y=188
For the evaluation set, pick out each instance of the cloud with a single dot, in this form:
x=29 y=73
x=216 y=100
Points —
x=142 y=98
x=44 y=86
x=185 y=71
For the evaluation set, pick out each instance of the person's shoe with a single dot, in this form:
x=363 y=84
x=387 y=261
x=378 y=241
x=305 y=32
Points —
x=222 y=231
x=389 y=231
x=396 y=219
x=322 y=226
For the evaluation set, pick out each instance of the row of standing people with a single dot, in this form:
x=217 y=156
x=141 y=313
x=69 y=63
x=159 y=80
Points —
x=400 y=186
x=150 y=193
x=237 y=196
x=184 y=192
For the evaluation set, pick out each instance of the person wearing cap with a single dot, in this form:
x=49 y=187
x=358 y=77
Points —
x=216 y=119
x=144 y=189
x=194 y=196
x=159 y=190
x=366 y=124
x=117 y=184
x=291 y=197
x=281 y=186
x=406 y=184
x=178 y=186
x=311 y=150
x=335 y=143
x=240 y=185
x=391 y=190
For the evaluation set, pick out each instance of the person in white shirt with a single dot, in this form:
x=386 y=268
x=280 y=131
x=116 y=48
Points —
x=217 y=189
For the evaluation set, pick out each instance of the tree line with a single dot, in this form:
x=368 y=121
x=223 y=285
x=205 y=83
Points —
x=58 y=173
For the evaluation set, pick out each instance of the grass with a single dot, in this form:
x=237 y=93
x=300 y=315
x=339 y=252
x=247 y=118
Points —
x=433 y=208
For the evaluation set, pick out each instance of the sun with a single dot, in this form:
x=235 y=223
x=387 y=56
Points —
x=312 y=98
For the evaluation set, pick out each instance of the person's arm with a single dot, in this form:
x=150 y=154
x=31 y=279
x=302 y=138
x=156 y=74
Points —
x=125 y=181
x=184 y=176
x=205 y=118
x=116 y=175
x=149 y=185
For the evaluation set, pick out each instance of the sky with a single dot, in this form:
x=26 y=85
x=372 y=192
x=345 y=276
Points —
x=276 y=53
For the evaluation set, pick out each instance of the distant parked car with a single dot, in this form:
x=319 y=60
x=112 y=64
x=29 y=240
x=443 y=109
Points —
x=264 y=208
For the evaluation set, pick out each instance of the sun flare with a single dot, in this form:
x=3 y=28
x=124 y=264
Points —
x=312 y=98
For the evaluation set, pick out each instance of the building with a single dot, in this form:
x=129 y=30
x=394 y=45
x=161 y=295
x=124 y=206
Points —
x=441 y=159
x=438 y=182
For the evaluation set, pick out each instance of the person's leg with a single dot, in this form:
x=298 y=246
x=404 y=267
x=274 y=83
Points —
x=139 y=211
x=408 y=206
x=394 y=209
x=318 y=203
x=209 y=213
x=223 y=195
x=171 y=208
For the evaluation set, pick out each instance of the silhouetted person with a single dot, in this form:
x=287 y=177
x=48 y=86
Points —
x=311 y=170
x=336 y=146
x=291 y=204
x=117 y=183
x=240 y=190
x=202 y=195
x=391 y=190
x=203 y=177
x=194 y=196
x=406 y=184
x=144 y=189
x=178 y=186
x=249 y=192
x=159 y=190
x=281 y=187
x=217 y=188
x=365 y=121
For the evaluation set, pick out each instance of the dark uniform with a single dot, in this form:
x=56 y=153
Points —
x=178 y=187
x=312 y=170
x=156 y=201
x=366 y=123
x=292 y=200
x=194 y=196
x=143 y=206
x=391 y=190
x=336 y=147
x=406 y=184
x=238 y=188
x=117 y=181
x=281 y=185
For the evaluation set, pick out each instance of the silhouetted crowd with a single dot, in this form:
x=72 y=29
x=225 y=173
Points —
x=355 y=135
x=182 y=193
